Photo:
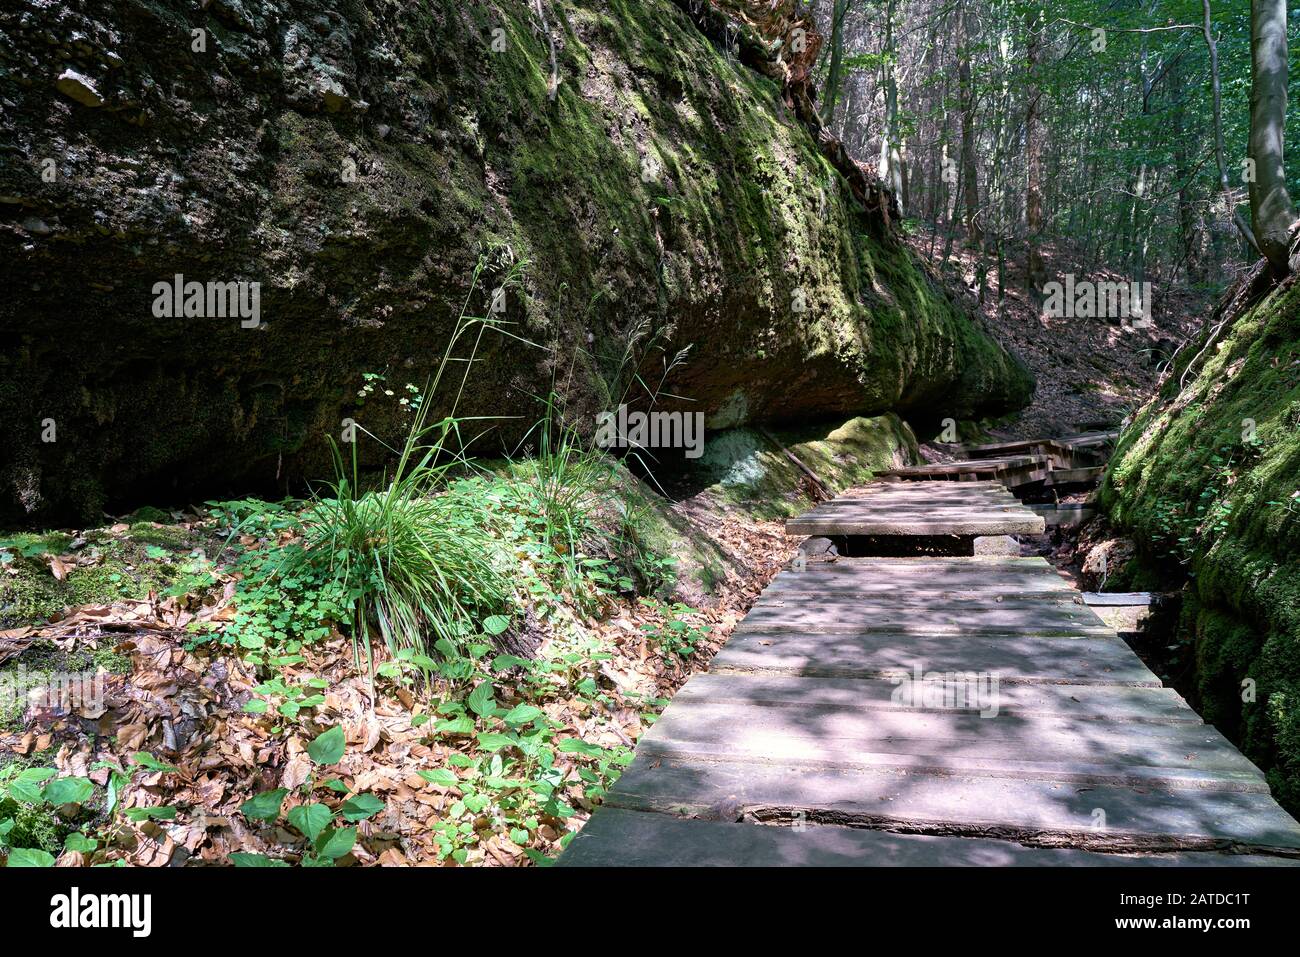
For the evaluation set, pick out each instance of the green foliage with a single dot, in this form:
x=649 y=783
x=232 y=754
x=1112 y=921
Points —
x=326 y=841
x=39 y=812
x=674 y=635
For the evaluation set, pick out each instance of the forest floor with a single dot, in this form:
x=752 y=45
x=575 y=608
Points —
x=194 y=748
x=1091 y=373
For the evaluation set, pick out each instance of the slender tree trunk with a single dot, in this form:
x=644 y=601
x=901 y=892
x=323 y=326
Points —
x=1216 y=88
x=891 y=162
x=967 y=94
x=1271 y=211
x=1036 y=269
x=835 y=74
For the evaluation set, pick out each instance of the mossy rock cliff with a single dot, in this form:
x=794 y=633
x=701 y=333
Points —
x=1207 y=480
x=357 y=158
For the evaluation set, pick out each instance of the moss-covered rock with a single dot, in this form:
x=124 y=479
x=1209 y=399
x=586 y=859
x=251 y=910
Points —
x=1207 y=480
x=357 y=158
x=746 y=467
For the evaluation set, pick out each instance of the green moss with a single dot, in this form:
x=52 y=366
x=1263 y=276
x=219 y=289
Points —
x=1205 y=480
x=745 y=469
x=127 y=566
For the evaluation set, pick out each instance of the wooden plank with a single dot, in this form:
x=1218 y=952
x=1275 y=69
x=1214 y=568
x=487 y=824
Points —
x=616 y=837
x=970 y=465
x=1026 y=524
x=847 y=577
x=926 y=616
x=1117 y=598
x=1040 y=812
x=1095 y=702
x=974 y=491
x=1013 y=658
x=1068 y=515
x=1076 y=475
x=1026 y=747
x=926 y=500
x=945 y=509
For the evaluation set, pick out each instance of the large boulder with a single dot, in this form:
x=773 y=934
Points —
x=356 y=159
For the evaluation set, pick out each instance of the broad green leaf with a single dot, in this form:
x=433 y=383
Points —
x=361 y=806
x=255 y=706
x=502 y=662
x=495 y=624
x=146 y=760
x=240 y=859
x=30 y=857
x=522 y=714
x=578 y=746
x=310 y=819
x=336 y=842
x=264 y=806
x=328 y=747
x=442 y=777
x=68 y=791
x=26 y=787
x=461 y=725
x=519 y=836
x=139 y=814
x=493 y=741
x=480 y=700
x=76 y=841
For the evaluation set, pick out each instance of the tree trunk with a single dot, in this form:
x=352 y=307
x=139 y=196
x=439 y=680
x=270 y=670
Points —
x=835 y=74
x=891 y=162
x=1036 y=269
x=967 y=95
x=1271 y=212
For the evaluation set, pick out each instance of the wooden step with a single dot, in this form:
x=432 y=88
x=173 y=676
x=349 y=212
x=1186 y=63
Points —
x=1014 y=658
x=1026 y=747
x=1094 y=702
x=924 y=616
x=1091 y=817
x=616 y=837
x=984 y=575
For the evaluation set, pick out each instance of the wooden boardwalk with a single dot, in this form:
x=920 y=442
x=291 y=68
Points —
x=951 y=711
x=1068 y=460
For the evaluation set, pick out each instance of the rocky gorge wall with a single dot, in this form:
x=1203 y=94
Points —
x=356 y=159
x=1207 y=481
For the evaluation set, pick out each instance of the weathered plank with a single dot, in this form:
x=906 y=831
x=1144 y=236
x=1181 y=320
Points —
x=931 y=572
x=927 y=510
x=1025 y=747
x=1076 y=475
x=615 y=837
x=1093 y=816
x=902 y=613
x=1096 y=702
x=1026 y=523
x=1067 y=514
x=1117 y=598
x=1013 y=658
